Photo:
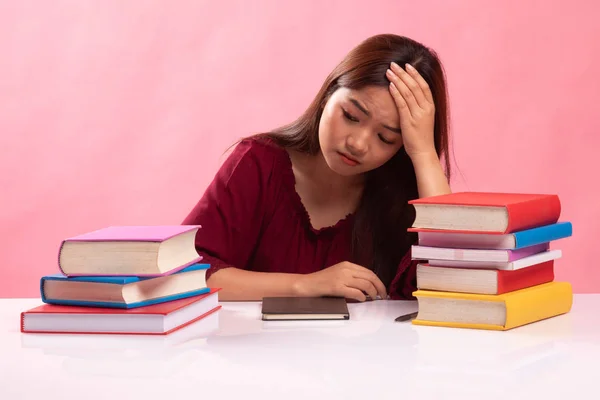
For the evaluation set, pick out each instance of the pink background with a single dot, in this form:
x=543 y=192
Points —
x=118 y=112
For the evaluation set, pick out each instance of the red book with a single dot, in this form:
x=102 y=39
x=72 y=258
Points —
x=482 y=281
x=156 y=319
x=509 y=281
x=485 y=212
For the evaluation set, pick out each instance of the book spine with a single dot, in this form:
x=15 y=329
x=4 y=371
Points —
x=537 y=303
x=514 y=255
x=509 y=281
x=534 y=213
x=547 y=233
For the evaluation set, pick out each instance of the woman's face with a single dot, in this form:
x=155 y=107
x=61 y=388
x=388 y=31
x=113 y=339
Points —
x=359 y=130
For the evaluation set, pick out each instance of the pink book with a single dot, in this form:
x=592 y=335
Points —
x=485 y=255
x=130 y=251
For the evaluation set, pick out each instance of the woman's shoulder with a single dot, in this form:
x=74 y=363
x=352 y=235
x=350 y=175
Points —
x=261 y=148
x=257 y=156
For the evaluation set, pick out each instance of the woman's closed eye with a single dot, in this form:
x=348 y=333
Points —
x=352 y=118
x=384 y=140
x=349 y=116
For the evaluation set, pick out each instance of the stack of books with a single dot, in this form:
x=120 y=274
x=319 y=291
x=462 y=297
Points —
x=487 y=260
x=125 y=280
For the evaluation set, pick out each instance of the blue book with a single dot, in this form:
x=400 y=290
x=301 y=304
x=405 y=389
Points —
x=124 y=291
x=509 y=241
x=543 y=234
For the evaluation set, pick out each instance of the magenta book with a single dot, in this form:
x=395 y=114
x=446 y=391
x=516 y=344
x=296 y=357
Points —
x=130 y=251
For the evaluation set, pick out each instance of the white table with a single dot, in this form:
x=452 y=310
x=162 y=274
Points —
x=368 y=357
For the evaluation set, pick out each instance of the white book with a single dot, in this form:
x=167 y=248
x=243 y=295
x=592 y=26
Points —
x=505 y=266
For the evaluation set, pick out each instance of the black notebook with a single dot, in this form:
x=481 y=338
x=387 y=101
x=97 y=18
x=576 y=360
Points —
x=304 y=308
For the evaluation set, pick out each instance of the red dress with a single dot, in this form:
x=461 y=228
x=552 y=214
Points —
x=252 y=218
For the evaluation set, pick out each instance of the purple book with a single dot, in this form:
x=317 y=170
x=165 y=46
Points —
x=486 y=255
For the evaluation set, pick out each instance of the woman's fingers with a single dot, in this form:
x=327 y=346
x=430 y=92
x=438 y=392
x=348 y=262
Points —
x=407 y=86
x=366 y=286
x=371 y=277
x=353 y=293
x=358 y=271
x=403 y=108
x=422 y=83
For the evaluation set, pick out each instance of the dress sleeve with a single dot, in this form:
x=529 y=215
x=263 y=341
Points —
x=232 y=209
x=405 y=282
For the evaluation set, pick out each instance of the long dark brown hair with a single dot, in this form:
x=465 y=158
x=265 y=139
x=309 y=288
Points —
x=380 y=236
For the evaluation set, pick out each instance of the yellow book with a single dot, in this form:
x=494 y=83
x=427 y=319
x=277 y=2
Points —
x=494 y=312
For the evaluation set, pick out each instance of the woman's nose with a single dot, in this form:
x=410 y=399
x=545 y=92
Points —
x=357 y=142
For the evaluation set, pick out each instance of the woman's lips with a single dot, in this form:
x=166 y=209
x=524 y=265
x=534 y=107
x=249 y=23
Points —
x=348 y=160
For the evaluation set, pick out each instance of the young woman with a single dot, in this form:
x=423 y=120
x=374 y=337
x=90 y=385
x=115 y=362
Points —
x=320 y=207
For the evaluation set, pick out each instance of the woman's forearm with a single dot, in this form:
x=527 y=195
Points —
x=241 y=285
x=431 y=180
